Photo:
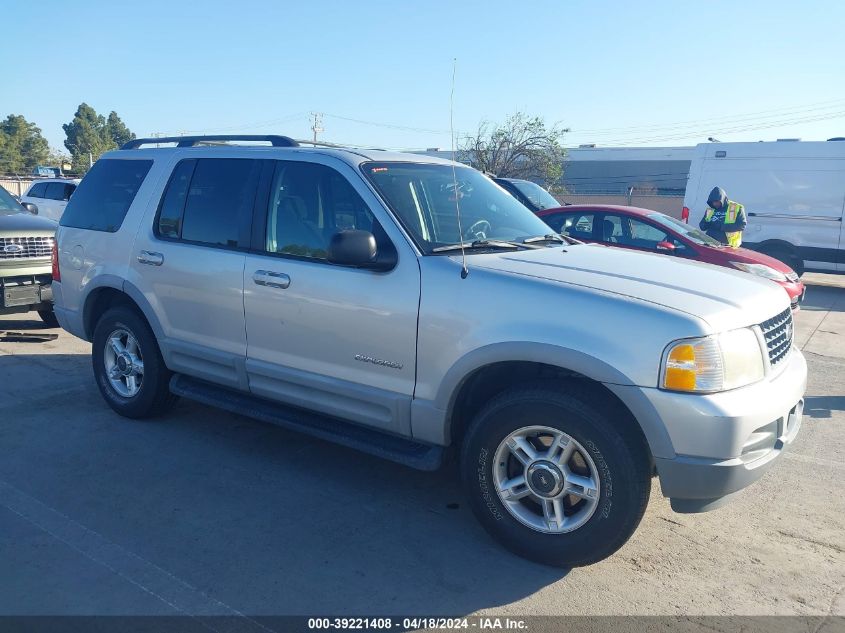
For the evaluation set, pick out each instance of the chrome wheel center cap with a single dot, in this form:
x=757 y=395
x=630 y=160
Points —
x=545 y=479
x=124 y=364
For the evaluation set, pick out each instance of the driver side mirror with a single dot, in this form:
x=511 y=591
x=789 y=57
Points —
x=665 y=246
x=33 y=209
x=359 y=249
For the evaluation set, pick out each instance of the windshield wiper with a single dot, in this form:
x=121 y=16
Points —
x=545 y=238
x=481 y=245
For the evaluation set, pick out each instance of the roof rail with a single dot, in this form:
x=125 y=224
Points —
x=334 y=145
x=191 y=141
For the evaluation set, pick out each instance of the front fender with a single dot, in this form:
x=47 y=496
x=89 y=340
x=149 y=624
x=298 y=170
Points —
x=525 y=351
x=431 y=419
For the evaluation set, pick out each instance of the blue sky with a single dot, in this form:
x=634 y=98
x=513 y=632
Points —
x=616 y=73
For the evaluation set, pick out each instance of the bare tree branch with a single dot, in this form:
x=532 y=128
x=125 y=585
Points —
x=521 y=147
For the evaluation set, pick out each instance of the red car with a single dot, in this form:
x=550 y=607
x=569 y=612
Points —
x=646 y=230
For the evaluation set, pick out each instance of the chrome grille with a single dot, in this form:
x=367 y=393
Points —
x=778 y=332
x=25 y=247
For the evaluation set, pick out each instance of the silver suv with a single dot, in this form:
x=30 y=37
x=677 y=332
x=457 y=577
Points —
x=408 y=307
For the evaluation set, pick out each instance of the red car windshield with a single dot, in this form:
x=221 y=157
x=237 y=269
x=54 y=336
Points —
x=687 y=231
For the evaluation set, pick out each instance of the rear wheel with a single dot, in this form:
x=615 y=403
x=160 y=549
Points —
x=49 y=317
x=128 y=366
x=553 y=478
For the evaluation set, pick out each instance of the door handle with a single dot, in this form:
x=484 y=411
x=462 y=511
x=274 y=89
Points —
x=271 y=279
x=151 y=258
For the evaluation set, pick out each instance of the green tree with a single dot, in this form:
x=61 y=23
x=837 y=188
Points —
x=22 y=146
x=117 y=130
x=521 y=147
x=90 y=134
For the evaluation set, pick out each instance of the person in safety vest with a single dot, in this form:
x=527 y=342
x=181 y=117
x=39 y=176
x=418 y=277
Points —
x=724 y=219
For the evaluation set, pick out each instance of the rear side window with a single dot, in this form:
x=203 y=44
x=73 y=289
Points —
x=209 y=201
x=58 y=191
x=37 y=191
x=105 y=194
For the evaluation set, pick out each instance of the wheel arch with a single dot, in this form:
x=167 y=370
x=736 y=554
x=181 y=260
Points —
x=485 y=372
x=114 y=292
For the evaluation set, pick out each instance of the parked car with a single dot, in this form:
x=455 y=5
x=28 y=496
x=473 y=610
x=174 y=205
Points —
x=26 y=246
x=793 y=192
x=528 y=193
x=652 y=231
x=50 y=195
x=331 y=291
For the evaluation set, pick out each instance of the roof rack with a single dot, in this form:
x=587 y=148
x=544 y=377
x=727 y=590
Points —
x=192 y=141
x=334 y=145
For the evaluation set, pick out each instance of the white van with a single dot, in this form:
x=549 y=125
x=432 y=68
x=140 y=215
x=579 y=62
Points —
x=793 y=192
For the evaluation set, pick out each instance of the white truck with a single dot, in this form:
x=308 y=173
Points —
x=793 y=192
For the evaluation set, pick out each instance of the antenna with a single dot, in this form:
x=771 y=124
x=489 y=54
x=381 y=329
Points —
x=464 y=269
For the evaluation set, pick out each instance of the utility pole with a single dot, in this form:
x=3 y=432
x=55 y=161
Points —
x=158 y=135
x=318 y=124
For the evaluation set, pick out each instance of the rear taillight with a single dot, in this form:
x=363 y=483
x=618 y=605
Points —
x=57 y=274
x=685 y=214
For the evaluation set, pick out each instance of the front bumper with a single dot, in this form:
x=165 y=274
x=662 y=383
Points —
x=723 y=442
x=696 y=484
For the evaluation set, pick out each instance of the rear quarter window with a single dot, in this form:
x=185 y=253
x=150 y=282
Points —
x=102 y=199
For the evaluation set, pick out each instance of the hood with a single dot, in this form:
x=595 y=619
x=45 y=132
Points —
x=25 y=223
x=717 y=193
x=752 y=257
x=723 y=298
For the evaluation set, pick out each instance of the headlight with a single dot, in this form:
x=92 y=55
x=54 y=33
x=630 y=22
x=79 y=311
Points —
x=713 y=363
x=761 y=270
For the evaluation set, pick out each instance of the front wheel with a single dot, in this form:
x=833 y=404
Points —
x=787 y=257
x=128 y=366
x=553 y=478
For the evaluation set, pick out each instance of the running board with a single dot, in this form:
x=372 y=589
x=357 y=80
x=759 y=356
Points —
x=392 y=447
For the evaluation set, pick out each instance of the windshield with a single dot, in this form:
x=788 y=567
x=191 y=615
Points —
x=424 y=198
x=8 y=205
x=541 y=198
x=689 y=232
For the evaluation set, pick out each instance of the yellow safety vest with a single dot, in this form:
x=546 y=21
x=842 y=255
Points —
x=731 y=214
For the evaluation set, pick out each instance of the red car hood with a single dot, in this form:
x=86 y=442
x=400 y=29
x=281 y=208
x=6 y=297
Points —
x=747 y=256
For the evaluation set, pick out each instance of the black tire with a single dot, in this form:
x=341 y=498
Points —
x=153 y=397
x=49 y=317
x=617 y=449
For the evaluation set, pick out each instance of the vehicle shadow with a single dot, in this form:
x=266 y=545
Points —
x=821 y=406
x=257 y=517
x=23 y=329
x=823 y=298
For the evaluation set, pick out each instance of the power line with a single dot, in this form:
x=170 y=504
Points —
x=246 y=126
x=726 y=120
x=731 y=130
x=388 y=125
